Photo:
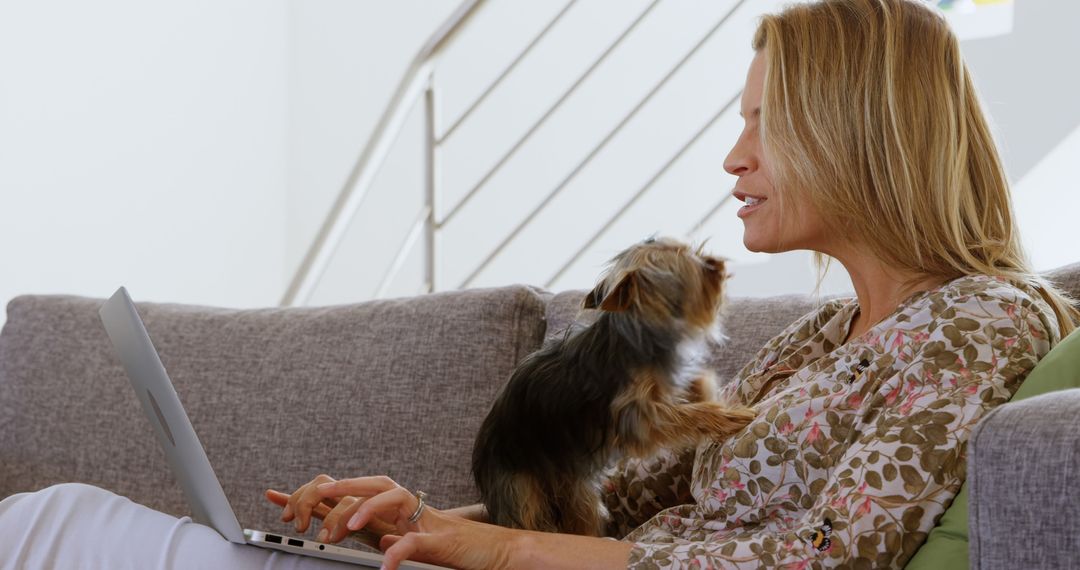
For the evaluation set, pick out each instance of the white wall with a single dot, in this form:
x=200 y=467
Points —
x=1029 y=84
x=143 y=144
x=1048 y=204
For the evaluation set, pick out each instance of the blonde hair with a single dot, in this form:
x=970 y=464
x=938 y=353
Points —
x=868 y=107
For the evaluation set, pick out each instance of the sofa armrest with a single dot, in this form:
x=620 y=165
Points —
x=1024 y=484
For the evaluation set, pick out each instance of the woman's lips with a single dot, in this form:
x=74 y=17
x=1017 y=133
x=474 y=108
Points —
x=748 y=209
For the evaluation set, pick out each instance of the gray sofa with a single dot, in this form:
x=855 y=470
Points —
x=396 y=387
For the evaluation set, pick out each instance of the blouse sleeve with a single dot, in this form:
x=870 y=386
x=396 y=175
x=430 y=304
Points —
x=904 y=457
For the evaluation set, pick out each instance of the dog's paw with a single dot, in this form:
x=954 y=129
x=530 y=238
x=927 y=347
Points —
x=702 y=389
x=723 y=420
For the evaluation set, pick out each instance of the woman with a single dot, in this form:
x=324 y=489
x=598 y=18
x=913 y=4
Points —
x=864 y=142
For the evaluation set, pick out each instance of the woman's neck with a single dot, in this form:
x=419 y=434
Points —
x=880 y=289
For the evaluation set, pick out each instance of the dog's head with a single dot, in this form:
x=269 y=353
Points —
x=661 y=279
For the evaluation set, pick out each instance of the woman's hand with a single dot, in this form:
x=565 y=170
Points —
x=436 y=537
x=306 y=503
x=379 y=507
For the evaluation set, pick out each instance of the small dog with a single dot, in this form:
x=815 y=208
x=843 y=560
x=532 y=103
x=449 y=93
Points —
x=630 y=383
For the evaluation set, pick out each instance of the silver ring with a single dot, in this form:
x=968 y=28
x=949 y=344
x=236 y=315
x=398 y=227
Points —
x=420 y=495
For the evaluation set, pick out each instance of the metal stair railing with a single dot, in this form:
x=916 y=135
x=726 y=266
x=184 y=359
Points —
x=417 y=79
x=420 y=78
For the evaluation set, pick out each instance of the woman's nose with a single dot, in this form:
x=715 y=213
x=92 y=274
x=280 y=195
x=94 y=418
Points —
x=740 y=160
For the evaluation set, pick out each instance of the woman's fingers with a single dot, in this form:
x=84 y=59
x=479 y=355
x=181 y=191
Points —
x=348 y=505
x=413 y=546
x=359 y=487
x=333 y=528
x=398 y=503
x=391 y=499
x=303 y=501
x=449 y=540
x=282 y=500
x=277 y=497
x=387 y=541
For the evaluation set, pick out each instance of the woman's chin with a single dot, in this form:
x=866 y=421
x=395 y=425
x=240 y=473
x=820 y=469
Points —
x=758 y=245
x=765 y=245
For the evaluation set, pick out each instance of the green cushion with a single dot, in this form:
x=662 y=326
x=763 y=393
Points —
x=947 y=545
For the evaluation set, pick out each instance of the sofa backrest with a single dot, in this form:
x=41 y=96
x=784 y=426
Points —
x=277 y=396
x=1067 y=278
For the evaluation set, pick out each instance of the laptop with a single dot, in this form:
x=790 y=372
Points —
x=185 y=453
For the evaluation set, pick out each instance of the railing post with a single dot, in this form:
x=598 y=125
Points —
x=431 y=185
x=352 y=194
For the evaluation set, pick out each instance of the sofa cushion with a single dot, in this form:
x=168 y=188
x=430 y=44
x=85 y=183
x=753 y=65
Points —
x=1067 y=278
x=1024 y=481
x=277 y=396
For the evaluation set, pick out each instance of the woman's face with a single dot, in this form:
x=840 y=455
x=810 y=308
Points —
x=802 y=227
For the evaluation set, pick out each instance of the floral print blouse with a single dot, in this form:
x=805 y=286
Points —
x=858 y=448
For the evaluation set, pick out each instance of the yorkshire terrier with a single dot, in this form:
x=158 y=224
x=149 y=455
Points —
x=628 y=384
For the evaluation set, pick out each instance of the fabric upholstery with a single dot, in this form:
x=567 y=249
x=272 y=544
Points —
x=1067 y=278
x=276 y=395
x=1024 y=484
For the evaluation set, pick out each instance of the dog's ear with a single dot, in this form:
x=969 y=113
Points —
x=714 y=263
x=716 y=266
x=592 y=300
x=621 y=296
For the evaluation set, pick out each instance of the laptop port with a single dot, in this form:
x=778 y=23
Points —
x=294 y=542
x=273 y=538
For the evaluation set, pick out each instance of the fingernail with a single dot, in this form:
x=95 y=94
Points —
x=354 y=521
x=324 y=486
x=323 y=535
x=286 y=513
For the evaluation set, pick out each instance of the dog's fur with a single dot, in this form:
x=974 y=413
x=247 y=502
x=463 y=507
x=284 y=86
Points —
x=628 y=384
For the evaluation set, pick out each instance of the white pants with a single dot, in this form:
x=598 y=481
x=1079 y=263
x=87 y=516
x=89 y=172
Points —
x=80 y=526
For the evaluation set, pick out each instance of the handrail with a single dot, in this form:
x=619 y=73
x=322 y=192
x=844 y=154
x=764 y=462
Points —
x=596 y=150
x=539 y=122
x=641 y=191
x=708 y=215
x=403 y=251
x=415 y=79
x=420 y=78
x=505 y=72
